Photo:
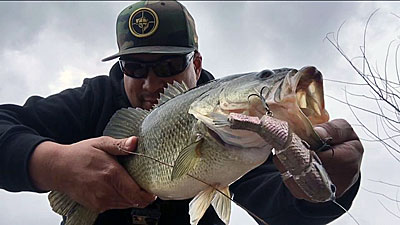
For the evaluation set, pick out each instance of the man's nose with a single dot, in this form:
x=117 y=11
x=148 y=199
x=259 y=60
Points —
x=152 y=83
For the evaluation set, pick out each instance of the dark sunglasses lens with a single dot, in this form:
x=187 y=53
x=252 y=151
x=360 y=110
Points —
x=171 y=67
x=163 y=68
x=132 y=69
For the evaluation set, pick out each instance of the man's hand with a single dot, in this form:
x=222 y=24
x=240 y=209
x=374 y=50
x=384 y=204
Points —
x=88 y=172
x=342 y=161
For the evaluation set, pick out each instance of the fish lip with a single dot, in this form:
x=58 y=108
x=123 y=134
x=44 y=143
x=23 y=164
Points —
x=309 y=86
x=307 y=89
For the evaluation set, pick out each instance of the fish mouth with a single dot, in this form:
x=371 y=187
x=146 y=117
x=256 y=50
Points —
x=299 y=100
x=310 y=95
x=298 y=90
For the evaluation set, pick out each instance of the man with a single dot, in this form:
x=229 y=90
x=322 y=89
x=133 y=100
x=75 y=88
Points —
x=56 y=143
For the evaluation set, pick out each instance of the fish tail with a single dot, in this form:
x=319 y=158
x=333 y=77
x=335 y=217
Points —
x=75 y=213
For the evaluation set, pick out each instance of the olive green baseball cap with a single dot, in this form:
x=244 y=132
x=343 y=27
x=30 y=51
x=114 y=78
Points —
x=164 y=27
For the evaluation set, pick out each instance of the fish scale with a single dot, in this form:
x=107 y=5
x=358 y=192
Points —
x=162 y=144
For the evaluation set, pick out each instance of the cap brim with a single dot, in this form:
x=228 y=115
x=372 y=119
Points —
x=152 y=50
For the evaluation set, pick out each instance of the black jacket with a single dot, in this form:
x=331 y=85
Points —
x=81 y=113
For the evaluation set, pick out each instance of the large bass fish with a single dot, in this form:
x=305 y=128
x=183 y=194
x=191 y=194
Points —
x=195 y=143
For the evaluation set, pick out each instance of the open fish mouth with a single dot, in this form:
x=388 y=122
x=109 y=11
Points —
x=310 y=95
x=299 y=100
x=290 y=89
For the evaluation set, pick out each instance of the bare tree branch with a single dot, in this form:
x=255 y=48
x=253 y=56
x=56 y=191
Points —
x=382 y=101
x=386 y=183
x=389 y=210
x=380 y=194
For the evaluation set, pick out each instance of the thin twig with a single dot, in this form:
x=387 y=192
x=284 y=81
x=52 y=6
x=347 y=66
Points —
x=386 y=183
x=389 y=210
x=377 y=193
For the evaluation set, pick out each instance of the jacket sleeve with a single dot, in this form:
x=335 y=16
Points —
x=263 y=192
x=64 y=118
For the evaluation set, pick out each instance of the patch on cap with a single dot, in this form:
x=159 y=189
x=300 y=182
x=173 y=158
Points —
x=143 y=22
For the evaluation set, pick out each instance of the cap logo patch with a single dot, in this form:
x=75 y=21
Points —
x=143 y=22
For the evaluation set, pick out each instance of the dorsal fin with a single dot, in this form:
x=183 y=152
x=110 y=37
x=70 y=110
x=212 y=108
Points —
x=181 y=86
x=171 y=91
x=125 y=123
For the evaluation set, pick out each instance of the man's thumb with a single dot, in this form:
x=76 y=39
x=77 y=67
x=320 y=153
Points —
x=116 y=146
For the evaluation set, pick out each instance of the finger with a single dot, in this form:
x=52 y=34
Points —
x=349 y=154
x=115 y=146
x=136 y=196
x=118 y=203
x=146 y=198
x=337 y=130
x=100 y=199
x=109 y=198
x=131 y=191
x=343 y=162
x=118 y=191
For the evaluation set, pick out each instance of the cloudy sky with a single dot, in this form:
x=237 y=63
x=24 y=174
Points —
x=46 y=47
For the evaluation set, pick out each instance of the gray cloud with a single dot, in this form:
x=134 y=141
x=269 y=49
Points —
x=46 y=47
x=281 y=29
x=45 y=39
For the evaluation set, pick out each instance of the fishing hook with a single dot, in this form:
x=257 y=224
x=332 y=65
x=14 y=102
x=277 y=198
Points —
x=264 y=102
x=326 y=145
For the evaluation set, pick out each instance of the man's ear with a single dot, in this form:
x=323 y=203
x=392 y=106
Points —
x=197 y=61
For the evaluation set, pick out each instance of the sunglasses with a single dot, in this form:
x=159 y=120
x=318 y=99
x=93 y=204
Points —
x=166 y=66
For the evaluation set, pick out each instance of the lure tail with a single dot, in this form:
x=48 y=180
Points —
x=301 y=164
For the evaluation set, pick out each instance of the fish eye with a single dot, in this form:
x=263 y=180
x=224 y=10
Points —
x=265 y=73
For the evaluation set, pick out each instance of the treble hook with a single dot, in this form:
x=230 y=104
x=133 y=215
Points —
x=326 y=145
x=264 y=102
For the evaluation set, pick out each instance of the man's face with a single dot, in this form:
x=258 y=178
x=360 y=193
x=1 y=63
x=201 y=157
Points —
x=144 y=92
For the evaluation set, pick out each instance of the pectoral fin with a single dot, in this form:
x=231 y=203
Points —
x=199 y=205
x=187 y=159
x=222 y=205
